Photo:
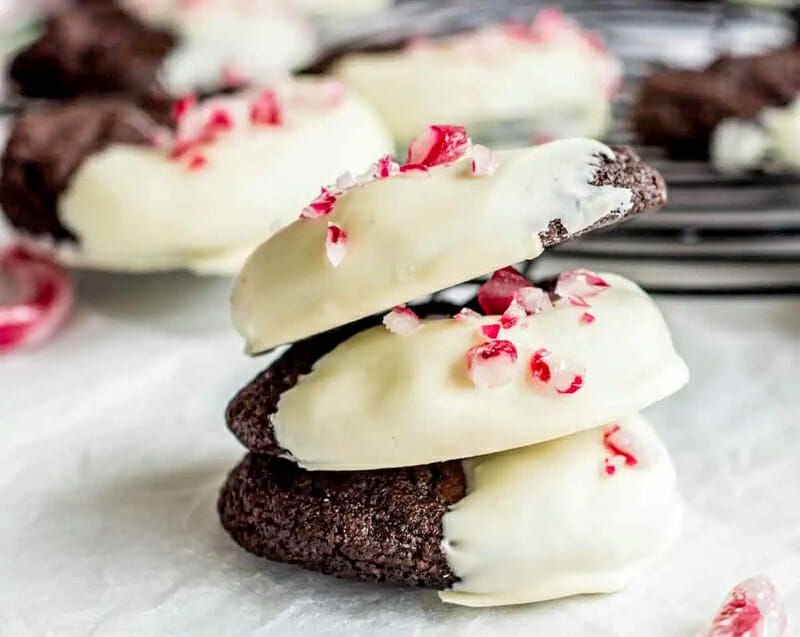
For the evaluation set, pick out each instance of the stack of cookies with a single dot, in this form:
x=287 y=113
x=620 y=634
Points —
x=493 y=451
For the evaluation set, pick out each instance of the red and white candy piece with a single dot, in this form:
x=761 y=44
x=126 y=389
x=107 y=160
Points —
x=496 y=294
x=491 y=331
x=491 y=364
x=335 y=244
x=513 y=315
x=266 y=110
x=484 y=161
x=752 y=609
x=322 y=205
x=35 y=298
x=552 y=374
x=466 y=315
x=578 y=285
x=384 y=168
x=402 y=320
x=438 y=145
x=534 y=300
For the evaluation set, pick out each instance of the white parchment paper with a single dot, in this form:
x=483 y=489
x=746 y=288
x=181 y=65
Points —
x=113 y=448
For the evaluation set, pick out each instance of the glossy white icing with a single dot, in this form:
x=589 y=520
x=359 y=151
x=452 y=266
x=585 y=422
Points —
x=411 y=236
x=384 y=400
x=546 y=521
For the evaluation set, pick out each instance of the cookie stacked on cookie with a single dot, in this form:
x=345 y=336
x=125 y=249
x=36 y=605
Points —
x=493 y=451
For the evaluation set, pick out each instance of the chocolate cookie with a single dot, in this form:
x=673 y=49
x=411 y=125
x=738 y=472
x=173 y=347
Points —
x=678 y=110
x=95 y=48
x=249 y=414
x=382 y=526
x=46 y=148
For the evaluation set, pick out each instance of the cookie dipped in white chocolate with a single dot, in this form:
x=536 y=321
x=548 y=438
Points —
x=562 y=518
x=771 y=142
x=243 y=168
x=253 y=40
x=555 y=76
x=381 y=399
x=412 y=235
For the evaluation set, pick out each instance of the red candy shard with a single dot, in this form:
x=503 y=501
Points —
x=197 y=162
x=266 y=110
x=219 y=120
x=491 y=331
x=183 y=106
x=491 y=364
x=384 y=168
x=37 y=300
x=555 y=375
x=321 y=206
x=414 y=170
x=578 y=285
x=402 y=320
x=612 y=465
x=752 y=609
x=513 y=314
x=587 y=318
x=335 y=243
x=618 y=443
x=496 y=294
x=484 y=161
x=438 y=145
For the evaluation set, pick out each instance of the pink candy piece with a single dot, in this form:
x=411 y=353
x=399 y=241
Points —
x=321 y=206
x=335 y=244
x=40 y=300
x=496 y=294
x=514 y=314
x=385 y=167
x=438 y=145
x=491 y=364
x=414 y=170
x=587 y=318
x=556 y=375
x=491 y=331
x=402 y=320
x=183 y=106
x=266 y=110
x=484 y=161
x=752 y=609
x=578 y=285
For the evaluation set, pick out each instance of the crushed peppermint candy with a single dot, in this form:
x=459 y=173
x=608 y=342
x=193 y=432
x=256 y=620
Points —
x=182 y=106
x=36 y=297
x=578 y=285
x=402 y=320
x=335 y=244
x=496 y=294
x=587 y=318
x=752 y=609
x=321 y=206
x=513 y=315
x=438 y=145
x=491 y=364
x=384 y=168
x=533 y=300
x=415 y=170
x=266 y=110
x=619 y=443
x=484 y=161
x=613 y=464
x=559 y=376
x=466 y=315
x=491 y=331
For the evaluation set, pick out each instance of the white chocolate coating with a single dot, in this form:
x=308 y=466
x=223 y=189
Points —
x=563 y=86
x=255 y=38
x=772 y=142
x=385 y=400
x=411 y=236
x=545 y=521
x=133 y=208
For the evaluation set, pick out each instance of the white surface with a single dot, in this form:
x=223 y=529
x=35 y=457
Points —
x=113 y=449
